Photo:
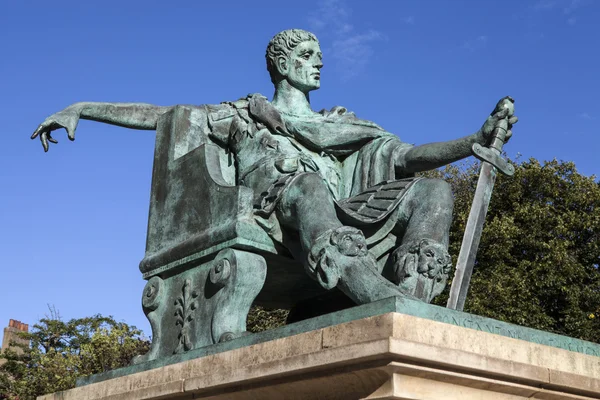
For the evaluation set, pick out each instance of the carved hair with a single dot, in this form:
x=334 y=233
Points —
x=282 y=45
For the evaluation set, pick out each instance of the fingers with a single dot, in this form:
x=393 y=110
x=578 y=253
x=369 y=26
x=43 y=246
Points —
x=38 y=131
x=501 y=118
x=45 y=129
x=44 y=139
x=44 y=133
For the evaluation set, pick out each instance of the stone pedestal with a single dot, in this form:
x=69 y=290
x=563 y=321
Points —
x=386 y=356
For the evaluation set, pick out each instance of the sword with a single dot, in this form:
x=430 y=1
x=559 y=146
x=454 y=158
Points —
x=491 y=161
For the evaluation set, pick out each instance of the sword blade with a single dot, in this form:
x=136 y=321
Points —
x=470 y=243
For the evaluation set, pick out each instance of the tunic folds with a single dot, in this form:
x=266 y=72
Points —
x=356 y=158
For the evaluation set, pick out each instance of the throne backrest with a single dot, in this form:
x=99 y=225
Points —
x=195 y=207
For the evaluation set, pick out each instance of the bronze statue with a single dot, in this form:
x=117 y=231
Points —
x=337 y=192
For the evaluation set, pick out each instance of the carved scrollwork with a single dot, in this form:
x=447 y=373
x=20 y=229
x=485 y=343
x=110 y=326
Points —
x=184 y=312
x=152 y=294
x=235 y=278
x=220 y=272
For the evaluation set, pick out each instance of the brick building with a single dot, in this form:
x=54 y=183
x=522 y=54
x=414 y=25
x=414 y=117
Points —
x=10 y=334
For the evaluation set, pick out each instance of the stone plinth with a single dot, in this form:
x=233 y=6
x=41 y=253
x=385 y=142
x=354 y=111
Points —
x=387 y=356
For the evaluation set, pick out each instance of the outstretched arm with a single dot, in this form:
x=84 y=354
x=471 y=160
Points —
x=128 y=115
x=434 y=155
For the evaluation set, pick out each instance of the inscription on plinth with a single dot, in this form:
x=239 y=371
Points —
x=517 y=332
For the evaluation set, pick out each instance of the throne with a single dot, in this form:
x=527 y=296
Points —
x=207 y=260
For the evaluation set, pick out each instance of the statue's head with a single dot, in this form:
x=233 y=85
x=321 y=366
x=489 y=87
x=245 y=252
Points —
x=295 y=55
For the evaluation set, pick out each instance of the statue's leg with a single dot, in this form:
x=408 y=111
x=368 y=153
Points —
x=307 y=207
x=422 y=263
x=333 y=254
x=428 y=211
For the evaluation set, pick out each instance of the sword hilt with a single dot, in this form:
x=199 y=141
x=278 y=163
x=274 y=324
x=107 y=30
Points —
x=492 y=153
x=493 y=157
x=499 y=135
x=501 y=129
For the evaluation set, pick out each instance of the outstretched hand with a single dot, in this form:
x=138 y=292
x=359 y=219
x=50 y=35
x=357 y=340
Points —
x=503 y=111
x=67 y=119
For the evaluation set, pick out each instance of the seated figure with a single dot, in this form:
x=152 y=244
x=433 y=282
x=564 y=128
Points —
x=336 y=191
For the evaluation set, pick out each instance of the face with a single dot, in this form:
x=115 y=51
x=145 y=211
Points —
x=303 y=65
x=350 y=243
x=433 y=260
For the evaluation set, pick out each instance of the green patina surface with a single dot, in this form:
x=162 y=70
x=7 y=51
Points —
x=393 y=304
x=272 y=203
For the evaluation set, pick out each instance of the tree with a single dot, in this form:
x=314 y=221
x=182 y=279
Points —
x=537 y=263
x=60 y=352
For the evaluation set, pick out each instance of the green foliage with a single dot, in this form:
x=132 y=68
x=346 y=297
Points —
x=537 y=263
x=260 y=319
x=60 y=352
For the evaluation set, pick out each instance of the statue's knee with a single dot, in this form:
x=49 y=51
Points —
x=437 y=190
x=305 y=191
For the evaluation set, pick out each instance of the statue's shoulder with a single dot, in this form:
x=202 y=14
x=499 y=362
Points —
x=245 y=115
x=341 y=115
x=249 y=106
x=265 y=114
x=243 y=103
x=239 y=104
x=227 y=111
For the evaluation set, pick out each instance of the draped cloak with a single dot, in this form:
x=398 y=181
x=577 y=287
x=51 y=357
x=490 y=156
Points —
x=356 y=158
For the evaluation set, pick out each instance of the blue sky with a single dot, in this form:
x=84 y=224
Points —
x=74 y=220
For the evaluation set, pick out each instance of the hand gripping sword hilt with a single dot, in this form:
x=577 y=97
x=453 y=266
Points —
x=492 y=153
